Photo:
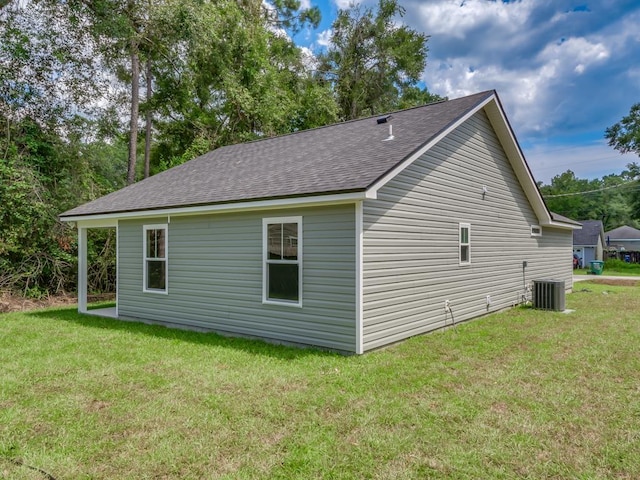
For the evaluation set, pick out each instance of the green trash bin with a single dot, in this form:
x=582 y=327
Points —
x=596 y=267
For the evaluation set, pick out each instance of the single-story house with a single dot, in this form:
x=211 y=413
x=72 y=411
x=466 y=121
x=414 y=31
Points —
x=348 y=237
x=588 y=243
x=624 y=238
x=623 y=243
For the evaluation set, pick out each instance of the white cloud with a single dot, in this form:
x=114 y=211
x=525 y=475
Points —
x=574 y=52
x=309 y=60
x=456 y=18
x=519 y=89
x=549 y=61
x=324 y=38
x=305 y=4
x=590 y=160
x=345 y=4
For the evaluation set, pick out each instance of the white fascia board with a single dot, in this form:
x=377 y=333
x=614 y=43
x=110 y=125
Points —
x=564 y=226
x=94 y=223
x=373 y=189
x=111 y=219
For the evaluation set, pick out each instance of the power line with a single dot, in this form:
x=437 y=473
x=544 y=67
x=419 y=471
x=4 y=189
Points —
x=591 y=191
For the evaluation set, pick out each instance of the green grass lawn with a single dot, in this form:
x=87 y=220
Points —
x=520 y=394
x=609 y=271
x=614 y=267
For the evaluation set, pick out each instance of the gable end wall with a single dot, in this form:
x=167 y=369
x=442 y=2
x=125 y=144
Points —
x=410 y=256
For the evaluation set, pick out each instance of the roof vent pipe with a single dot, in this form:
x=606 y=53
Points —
x=390 y=137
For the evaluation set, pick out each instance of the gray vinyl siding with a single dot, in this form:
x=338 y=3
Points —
x=410 y=239
x=586 y=253
x=215 y=277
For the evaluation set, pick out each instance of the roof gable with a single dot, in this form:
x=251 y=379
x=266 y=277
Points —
x=592 y=232
x=624 y=232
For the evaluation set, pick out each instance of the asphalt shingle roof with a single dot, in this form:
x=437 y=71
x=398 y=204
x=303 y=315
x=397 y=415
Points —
x=339 y=158
x=589 y=234
x=624 y=233
x=561 y=218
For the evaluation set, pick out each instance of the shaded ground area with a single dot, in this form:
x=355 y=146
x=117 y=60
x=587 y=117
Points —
x=15 y=303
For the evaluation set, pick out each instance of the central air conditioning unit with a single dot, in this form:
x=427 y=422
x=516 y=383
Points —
x=548 y=294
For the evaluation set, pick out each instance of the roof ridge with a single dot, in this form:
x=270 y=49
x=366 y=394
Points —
x=353 y=120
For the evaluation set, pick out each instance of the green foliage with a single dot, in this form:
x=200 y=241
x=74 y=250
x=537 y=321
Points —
x=47 y=67
x=618 y=265
x=374 y=64
x=33 y=257
x=231 y=79
x=40 y=176
x=609 y=198
x=199 y=146
x=624 y=136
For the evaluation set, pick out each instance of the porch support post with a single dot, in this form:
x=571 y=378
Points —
x=82 y=269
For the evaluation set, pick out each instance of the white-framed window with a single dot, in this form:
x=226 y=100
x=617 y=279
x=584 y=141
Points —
x=465 y=243
x=536 y=231
x=282 y=260
x=154 y=276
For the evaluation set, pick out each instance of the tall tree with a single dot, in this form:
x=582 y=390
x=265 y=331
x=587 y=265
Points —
x=624 y=136
x=47 y=68
x=373 y=63
x=149 y=119
x=236 y=76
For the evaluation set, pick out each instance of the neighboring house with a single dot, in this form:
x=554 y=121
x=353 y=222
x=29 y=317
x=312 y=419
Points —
x=349 y=237
x=623 y=238
x=588 y=243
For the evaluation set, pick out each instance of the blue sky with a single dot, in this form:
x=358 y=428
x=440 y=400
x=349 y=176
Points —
x=564 y=70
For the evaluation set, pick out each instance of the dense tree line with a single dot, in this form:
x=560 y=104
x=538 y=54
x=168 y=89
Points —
x=612 y=198
x=82 y=80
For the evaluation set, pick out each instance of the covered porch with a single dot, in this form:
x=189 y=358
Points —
x=83 y=226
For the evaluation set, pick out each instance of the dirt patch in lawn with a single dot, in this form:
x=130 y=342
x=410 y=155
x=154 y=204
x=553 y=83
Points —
x=620 y=282
x=15 y=303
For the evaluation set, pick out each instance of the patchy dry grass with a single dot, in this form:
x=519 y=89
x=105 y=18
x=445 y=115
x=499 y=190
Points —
x=521 y=394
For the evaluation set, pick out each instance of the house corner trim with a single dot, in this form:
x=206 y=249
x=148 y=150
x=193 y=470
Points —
x=359 y=277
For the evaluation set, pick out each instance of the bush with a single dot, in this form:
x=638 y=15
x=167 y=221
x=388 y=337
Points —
x=615 y=264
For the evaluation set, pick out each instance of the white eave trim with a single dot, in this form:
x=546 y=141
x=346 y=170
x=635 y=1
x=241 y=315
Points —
x=111 y=219
x=566 y=226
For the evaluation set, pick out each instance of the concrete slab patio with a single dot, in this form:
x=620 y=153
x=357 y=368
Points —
x=109 y=312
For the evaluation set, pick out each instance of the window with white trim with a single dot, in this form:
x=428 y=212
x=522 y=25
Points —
x=282 y=260
x=536 y=231
x=465 y=243
x=155 y=258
